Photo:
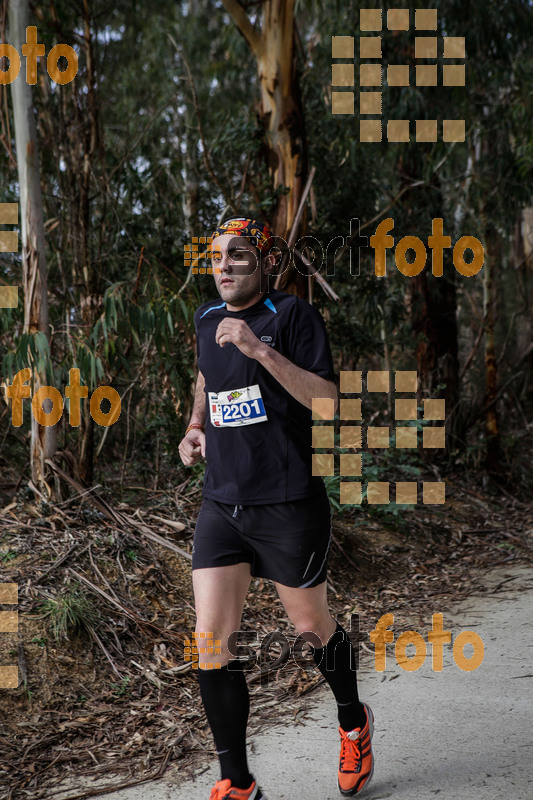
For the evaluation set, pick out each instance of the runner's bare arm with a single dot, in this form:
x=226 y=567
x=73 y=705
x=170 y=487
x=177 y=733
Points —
x=192 y=446
x=198 y=409
x=300 y=383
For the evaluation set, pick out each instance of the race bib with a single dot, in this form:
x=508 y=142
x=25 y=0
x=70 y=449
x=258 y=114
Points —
x=237 y=407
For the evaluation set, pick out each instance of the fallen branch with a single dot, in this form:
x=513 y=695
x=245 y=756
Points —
x=156 y=538
x=123 y=521
x=179 y=526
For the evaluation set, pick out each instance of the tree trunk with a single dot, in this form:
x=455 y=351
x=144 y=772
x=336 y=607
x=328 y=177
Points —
x=433 y=306
x=34 y=271
x=489 y=149
x=493 y=456
x=84 y=152
x=281 y=107
x=434 y=324
x=522 y=262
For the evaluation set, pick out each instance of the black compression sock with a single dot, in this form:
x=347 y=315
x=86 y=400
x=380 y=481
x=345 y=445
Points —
x=226 y=700
x=336 y=662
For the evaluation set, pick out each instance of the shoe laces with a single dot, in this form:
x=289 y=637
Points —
x=351 y=751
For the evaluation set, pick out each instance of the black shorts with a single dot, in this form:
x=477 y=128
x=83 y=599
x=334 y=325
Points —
x=283 y=542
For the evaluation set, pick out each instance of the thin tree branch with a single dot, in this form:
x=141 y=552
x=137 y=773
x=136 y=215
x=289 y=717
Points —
x=343 y=249
x=509 y=331
x=243 y=182
x=242 y=21
x=496 y=396
x=318 y=277
x=474 y=350
x=142 y=134
x=297 y=218
x=207 y=162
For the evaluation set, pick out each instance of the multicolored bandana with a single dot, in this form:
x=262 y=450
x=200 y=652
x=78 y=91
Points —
x=254 y=232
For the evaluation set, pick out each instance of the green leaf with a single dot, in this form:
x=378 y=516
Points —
x=411 y=470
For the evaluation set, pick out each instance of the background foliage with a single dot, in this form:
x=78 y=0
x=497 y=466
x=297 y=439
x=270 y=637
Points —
x=166 y=122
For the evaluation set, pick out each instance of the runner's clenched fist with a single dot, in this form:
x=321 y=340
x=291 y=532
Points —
x=238 y=333
x=192 y=447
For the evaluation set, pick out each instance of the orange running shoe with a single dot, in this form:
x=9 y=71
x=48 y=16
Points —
x=223 y=790
x=356 y=762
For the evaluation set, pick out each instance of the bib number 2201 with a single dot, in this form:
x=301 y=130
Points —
x=238 y=410
x=237 y=407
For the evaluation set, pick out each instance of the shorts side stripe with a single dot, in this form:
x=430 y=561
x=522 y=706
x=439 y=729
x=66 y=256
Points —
x=304 y=585
x=309 y=563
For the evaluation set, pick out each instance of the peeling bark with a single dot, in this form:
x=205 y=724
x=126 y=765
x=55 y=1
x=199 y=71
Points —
x=281 y=108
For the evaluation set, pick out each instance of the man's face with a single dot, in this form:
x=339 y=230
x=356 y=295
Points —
x=237 y=269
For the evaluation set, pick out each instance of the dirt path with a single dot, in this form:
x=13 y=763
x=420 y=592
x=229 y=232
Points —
x=452 y=734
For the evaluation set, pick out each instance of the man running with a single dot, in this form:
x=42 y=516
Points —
x=262 y=356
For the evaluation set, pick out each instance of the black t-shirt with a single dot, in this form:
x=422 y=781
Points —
x=268 y=461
